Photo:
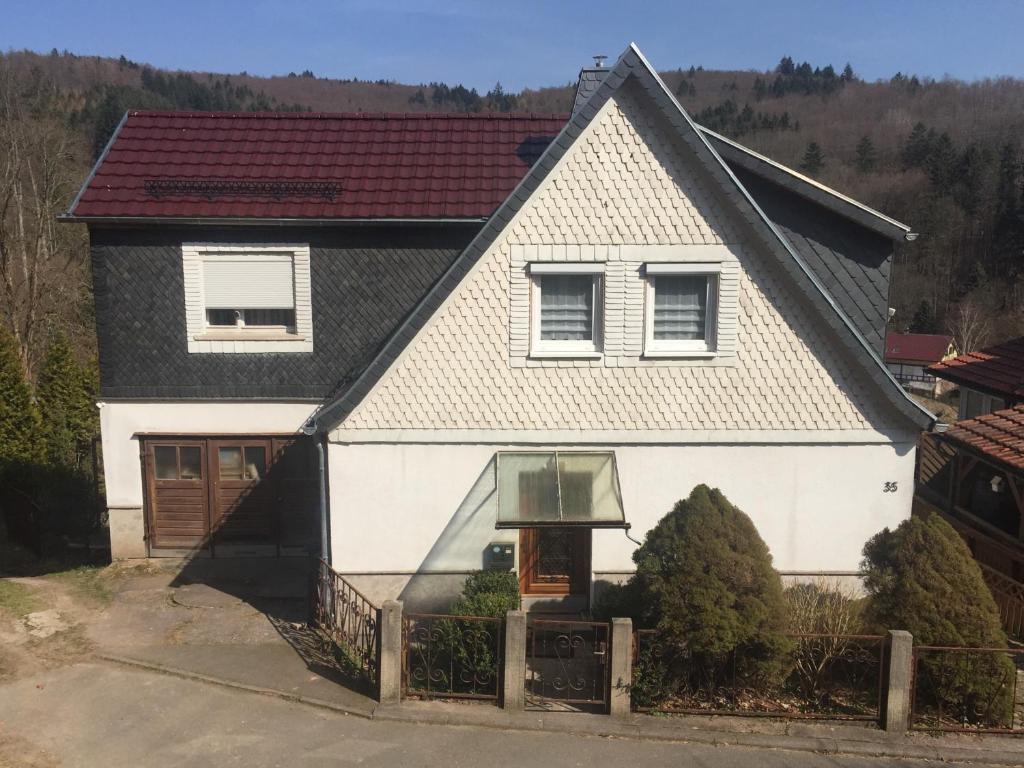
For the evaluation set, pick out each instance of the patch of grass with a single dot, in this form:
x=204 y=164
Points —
x=88 y=582
x=17 y=599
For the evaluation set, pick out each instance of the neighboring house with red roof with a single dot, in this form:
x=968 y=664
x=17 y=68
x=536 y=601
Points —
x=990 y=379
x=907 y=355
x=461 y=341
x=973 y=475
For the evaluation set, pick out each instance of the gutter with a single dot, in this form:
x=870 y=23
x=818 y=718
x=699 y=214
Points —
x=238 y=221
x=310 y=428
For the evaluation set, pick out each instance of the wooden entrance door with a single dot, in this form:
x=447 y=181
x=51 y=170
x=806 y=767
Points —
x=176 y=485
x=554 y=561
x=242 y=503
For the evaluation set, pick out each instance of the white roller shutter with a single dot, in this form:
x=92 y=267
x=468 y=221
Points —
x=249 y=282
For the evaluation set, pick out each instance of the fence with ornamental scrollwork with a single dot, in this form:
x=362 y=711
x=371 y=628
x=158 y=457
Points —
x=347 y=619
x=836 y=677
x=451 y=657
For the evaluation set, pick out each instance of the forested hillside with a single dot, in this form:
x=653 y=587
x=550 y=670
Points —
x=943 y=156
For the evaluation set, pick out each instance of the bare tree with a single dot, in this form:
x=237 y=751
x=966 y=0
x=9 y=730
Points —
x=42 y=271
x=970 y=325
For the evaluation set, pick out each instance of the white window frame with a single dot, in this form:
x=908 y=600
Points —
x=565 y=348
x=696 y=348
x=204 y=338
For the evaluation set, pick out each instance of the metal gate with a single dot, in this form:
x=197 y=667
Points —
x=566 y=663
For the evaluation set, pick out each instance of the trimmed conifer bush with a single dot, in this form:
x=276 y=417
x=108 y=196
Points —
x=922 y=578
x=706 y=582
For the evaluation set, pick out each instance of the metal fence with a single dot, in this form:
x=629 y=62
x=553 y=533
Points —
x=837 y=677
x=451 y=657
x=975 y=690
x=347 y=619
x=567 y=662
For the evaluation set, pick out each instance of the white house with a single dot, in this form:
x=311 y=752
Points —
x=517 y=346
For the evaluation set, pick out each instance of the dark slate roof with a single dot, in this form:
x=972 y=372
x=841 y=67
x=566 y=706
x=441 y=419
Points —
x=917 y=347
x=589 y=81
x=852 y=262
x=997 y=370
x=632 y=64
x=998 y=435
x=738 y=155
x=312 y=166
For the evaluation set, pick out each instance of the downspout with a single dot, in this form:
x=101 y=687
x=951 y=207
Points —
x=310 y=428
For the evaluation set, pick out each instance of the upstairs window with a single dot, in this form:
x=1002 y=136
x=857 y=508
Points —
x=681 y=306
x=249 y=291
x=247 y=298
x=566 y=310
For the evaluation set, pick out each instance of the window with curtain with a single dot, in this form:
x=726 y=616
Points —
x=566 y=309
x=681 y=308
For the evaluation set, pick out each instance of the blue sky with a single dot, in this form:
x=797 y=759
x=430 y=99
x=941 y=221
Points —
x=526 y=43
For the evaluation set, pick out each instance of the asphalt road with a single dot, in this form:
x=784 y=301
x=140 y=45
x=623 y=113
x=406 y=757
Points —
x=94 y=714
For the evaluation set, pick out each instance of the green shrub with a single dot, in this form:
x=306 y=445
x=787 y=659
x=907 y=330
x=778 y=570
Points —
x=488 y=593
x=462 y=653
x=922 y=578
x=705 y=581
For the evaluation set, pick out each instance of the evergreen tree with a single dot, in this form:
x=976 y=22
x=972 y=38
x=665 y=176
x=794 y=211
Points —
x=65 y=394
x=941 y=164
x=922 y=578
x=848 y=76
x=1008 y=227
x=866 y=158
x=917 y=147
x=924 y=319
x=705 y=580
x=814 y=159
x=20 y=425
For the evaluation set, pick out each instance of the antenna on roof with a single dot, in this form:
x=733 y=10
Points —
x=599 y=60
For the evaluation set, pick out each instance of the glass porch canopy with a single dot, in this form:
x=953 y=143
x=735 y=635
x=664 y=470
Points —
x=558 y=488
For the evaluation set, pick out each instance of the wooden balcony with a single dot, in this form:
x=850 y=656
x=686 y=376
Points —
x=952 y=482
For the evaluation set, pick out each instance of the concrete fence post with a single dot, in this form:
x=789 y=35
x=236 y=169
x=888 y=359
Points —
x=391 y=632
x=621 y=667
x=901 y=680
x=514 y=688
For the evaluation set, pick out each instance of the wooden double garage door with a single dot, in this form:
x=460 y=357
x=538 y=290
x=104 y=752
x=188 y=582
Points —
x=231 y=496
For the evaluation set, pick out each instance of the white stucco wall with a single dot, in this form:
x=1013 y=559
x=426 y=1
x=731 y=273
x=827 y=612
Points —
x=120 y=422
x=430 y=508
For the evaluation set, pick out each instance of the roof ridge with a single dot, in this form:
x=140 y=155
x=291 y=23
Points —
x=631 y=63
x=349 y=115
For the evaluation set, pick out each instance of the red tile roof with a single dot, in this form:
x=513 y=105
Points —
x=998 y=370
x=916 y=347
x=998 y=435
x=282 y=165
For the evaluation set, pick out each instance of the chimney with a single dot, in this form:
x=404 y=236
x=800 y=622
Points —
x=590 y=80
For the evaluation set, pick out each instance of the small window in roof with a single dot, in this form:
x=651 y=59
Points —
x=558 y=488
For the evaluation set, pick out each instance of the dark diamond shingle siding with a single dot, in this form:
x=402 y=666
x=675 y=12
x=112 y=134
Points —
x=364 y=282
x=851 y=261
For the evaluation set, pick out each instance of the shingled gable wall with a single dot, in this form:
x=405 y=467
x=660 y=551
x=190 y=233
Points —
x=782 y=424
x=626 y=182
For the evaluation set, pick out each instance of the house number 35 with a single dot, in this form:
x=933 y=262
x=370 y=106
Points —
x=890 y=487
